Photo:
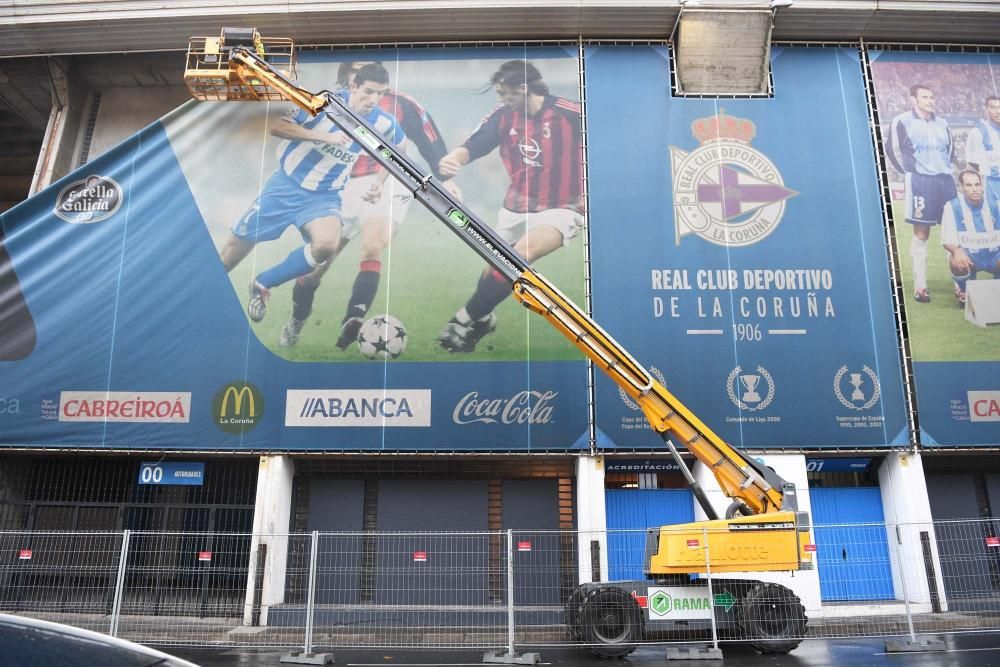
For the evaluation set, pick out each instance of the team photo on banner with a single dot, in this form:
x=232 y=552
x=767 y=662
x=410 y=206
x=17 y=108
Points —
x=940 y=129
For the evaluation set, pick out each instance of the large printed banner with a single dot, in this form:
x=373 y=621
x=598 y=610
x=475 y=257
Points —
x=940 y=129
x=738 y=251
x=219 y=280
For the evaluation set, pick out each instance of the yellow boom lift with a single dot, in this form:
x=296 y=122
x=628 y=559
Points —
x=762 y=530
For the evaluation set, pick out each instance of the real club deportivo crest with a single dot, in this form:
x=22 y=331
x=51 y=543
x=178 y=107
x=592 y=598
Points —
x=726 y=191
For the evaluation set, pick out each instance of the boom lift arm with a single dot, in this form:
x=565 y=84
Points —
x=761 y=499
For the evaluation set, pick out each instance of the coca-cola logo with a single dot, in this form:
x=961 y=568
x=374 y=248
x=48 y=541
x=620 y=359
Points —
x=524 y=407
x=90 y=200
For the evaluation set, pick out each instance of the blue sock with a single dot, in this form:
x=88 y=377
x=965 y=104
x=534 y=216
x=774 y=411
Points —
x=296 y=264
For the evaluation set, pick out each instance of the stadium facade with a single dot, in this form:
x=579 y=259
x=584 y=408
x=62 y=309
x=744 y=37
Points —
x=753 y=251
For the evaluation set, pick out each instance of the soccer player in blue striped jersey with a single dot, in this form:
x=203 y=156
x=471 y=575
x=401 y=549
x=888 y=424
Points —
x=921 y=147
x=315 y=161
x=970 y=232
x=378 y=221
x=982 y=148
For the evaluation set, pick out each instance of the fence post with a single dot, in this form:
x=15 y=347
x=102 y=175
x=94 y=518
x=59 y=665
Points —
x=929 y=573
x=711 y=592
x=307 y=657
x=510 y=657
x=913 y=645
x=510 y=591
x=116 y=607
x=311 y=595
x=698 y=652
x=900 y=546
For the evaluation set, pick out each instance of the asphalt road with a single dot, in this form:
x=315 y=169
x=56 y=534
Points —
x=981 y=650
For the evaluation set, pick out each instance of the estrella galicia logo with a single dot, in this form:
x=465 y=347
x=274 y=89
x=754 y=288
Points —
x=237 y=407
x=726 y=191
x=89 y=200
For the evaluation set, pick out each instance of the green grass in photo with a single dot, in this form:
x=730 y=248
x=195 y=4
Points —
x=939 y=330
x=428 y=273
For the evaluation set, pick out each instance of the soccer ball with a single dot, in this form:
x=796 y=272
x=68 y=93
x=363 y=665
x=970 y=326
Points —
x=382 y=337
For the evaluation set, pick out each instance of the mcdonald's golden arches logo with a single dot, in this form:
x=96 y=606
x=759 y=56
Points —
x=237 y=407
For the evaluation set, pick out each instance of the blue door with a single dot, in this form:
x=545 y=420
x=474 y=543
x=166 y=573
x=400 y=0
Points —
x=851 y=545
x=630 y=512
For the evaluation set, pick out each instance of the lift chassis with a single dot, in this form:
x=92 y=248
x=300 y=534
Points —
x=762 y=530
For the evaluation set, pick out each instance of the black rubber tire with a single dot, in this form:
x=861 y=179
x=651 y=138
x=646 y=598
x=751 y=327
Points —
x=772 y=618
x=574 y=607
x=610 y=621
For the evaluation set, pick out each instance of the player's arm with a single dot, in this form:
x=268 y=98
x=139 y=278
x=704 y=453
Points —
x=573 y=118
x=959 y=258
x=453 y=162
x=949 y=239
x=485 y=138
x=900 y=147
x=951 y=143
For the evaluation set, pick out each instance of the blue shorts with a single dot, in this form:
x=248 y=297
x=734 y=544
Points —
x=282 y=203
x=987 y=259
x=926 y=197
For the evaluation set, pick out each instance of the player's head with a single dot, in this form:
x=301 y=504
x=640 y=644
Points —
x=369 y=85
x=347 y=70
x=922 y=98
x=993 y=108
x=515 y=80
x=972 y=185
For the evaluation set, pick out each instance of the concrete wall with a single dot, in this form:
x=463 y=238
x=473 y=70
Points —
x=591 y=516
x=271 y=522
x=908 y=514
x=125 y=111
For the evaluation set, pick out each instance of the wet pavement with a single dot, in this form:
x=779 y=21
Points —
x=963 y=650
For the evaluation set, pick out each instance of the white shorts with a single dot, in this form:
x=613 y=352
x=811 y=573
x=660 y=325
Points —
x=392 y=205
x=512 y=226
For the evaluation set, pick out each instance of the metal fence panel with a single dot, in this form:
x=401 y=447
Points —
x=496 y=589
x=410 y=590
x=58 y=575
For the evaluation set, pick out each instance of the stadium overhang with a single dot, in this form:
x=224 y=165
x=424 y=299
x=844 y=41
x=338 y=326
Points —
x=51 y=27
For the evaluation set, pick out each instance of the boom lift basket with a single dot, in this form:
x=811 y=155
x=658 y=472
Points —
x=210 y=75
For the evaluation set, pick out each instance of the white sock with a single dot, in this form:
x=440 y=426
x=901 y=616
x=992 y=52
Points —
x=463 y=317
x=918 y=252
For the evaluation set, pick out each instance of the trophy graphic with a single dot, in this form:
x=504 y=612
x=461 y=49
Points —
x=750 y=381
x=856 y=382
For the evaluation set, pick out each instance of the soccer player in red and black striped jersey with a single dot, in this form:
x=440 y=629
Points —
x=538 y=135
x=379 y=219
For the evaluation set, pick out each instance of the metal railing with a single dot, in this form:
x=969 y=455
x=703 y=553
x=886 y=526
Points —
x=501 y=589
